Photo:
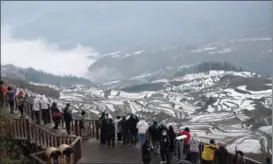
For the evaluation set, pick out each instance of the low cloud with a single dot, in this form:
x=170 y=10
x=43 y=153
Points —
x=104 y=74
x=45 y=56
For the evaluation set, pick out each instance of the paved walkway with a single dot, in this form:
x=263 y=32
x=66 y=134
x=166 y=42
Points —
x=93 y=152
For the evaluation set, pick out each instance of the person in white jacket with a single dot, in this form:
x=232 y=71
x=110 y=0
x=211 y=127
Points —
x=142 y=127
x=194 y=143
x=45 y=109
x=118 y=128
x=36 y=109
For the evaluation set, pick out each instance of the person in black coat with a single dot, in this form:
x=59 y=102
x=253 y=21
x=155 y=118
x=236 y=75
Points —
x=146 y=152
x=67 y=116
x=99 y=126
x=221 y=155
x=269 y=160
x=172 y=136
x=124 y=130
x=155 y=136
x=110 y=133
x=103 y=130
x=132 y=122
x=165 y=147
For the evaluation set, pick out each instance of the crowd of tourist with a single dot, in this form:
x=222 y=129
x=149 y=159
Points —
x=11 y=97
x=161 y=140
x=154 y=139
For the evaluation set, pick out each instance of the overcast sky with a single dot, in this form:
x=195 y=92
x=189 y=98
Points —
x=44 y=34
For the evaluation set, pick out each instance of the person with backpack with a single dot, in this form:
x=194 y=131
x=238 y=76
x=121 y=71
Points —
x=154 y=136
x=146 y=152
x=142 y=127
x=67 y=118
x=208 y=152
x=118 y=128
x=110 y=133
x=56 y=115
x=194 y=154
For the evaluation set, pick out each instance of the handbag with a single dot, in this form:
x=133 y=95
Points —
x=56 y=115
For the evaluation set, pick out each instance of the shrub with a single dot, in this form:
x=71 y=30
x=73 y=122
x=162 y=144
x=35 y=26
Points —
x=10 y=152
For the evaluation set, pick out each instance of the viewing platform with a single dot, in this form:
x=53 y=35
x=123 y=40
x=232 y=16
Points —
x=85 y=149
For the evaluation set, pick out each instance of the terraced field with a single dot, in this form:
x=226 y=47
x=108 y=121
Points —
x=231 y=107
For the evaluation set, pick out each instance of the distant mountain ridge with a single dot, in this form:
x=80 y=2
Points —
x=253 y=54
x=36 y=76
x=170 y=73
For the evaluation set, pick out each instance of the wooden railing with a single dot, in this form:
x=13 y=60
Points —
x=38 y=158
x=74 y=125
x=25 y=129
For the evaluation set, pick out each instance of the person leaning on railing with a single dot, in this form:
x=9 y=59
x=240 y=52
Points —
x=239 y=157
x=21 y=106
x=208 y=152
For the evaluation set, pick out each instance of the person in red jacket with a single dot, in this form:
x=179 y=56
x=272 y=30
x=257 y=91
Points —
x=3 y=91
x=186 y=146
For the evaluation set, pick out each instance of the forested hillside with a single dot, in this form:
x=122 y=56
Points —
x=37 y=76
